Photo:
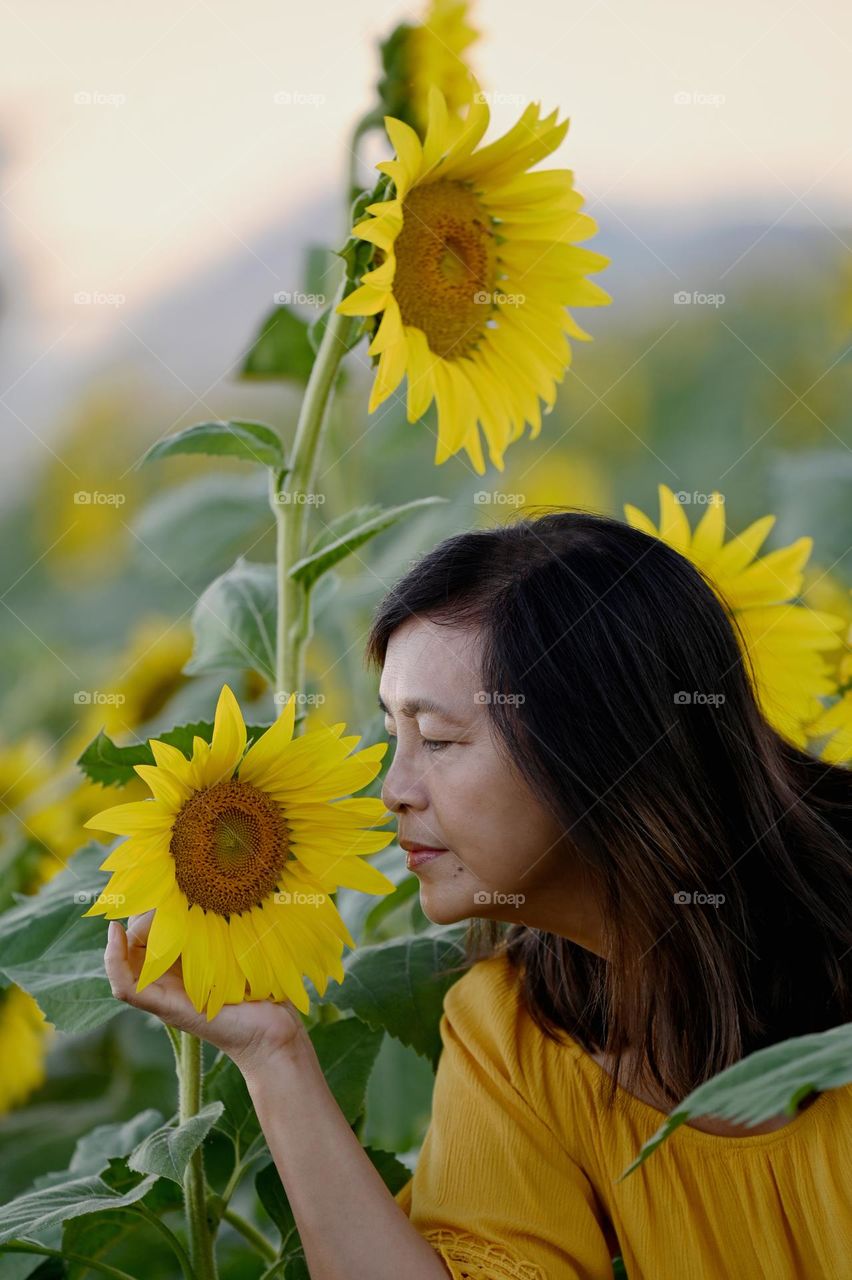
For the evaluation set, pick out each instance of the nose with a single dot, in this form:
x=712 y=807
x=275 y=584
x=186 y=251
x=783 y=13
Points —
x=401 y=789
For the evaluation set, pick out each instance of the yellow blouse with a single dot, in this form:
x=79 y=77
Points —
x=516 y=1178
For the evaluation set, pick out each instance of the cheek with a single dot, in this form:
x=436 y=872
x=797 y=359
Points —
x=492 y=827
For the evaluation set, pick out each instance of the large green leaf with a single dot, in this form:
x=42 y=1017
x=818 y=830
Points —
x=281 y=349
x=250 y=441
x=764 y=1084
x=347 y=1050
x=38 y=1211
x=49 y=948
x=327 y=554
x=167 y=1150
x=194 y=530
x=399 y=1098
x=234 y=621
x=225 y=1084
x=106 y=1142
x=400 y=986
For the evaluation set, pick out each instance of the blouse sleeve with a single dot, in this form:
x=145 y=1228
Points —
x=494 y=1192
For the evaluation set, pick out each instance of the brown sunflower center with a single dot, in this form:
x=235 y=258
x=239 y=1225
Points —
x=446 y=259
x=229 y=844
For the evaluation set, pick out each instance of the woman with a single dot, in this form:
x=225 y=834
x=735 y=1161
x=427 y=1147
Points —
x=660 y=885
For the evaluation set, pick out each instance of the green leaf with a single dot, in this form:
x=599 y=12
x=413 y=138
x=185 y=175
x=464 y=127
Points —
x=394 y=1173
x=400 y=986
x=52 y=951
x=37 y=1211
x=194 y=530
x=318 y=562
x=250 y=441
x=113 y=766
x=322 y=269
x=110 y=1141
x=340 y=526
x=273 y=1197
x=281 y=349
x=167 y=1150
x=402 y=895
x=237 y=1120
x=234 y=621
x=764 y=1084
x=347 y=1050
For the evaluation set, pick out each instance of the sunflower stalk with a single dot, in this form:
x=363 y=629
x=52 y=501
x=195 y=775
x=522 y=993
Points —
x=194 y=1181
x=289 y=493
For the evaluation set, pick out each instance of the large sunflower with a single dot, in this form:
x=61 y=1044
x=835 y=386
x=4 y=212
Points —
x=784 y=640
x=477 y=264
x=238 y=853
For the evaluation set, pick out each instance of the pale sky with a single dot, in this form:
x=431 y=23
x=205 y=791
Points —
x=178 y=151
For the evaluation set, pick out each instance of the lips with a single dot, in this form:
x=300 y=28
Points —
x=418 y=854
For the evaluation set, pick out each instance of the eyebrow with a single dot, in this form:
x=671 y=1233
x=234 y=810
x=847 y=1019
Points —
x=420 y=706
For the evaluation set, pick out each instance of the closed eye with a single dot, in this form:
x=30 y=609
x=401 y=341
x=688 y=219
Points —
x=431 y=744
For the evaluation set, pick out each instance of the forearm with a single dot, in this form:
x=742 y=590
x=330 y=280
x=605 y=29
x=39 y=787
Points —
x=350 y=1226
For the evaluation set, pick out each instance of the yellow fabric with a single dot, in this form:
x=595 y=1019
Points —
x=516 y=1176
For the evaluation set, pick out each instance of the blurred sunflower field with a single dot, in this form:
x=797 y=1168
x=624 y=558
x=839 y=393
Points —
x=188 y=580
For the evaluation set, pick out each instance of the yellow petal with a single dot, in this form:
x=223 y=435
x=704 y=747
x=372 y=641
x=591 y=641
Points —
x=710 y=531
x=229 y=739
x=146 y=816
x=164 y=786
x=172 y=759
x=229 y=982
x=407 y=146
x=251 y=957
x=363 y=301
x=264 y=755
x=197 y=958
x=165 y=939
x=741 y=550
x=674 y=526
x=285 y=969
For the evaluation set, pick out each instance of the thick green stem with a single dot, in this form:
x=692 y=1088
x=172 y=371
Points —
x=251 y=1233
x=194 y=1182
x=291 y=497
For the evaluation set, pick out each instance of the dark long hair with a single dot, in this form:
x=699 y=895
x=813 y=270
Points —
x=603 y=629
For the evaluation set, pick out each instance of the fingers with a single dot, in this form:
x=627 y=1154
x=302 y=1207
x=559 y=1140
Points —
x=164 y=998
x=138 y=928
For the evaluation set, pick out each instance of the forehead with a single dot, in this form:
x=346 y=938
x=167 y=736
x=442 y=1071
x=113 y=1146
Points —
x=430 y=662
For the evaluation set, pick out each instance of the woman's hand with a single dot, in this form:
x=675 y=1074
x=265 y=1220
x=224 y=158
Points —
x=251 y=1033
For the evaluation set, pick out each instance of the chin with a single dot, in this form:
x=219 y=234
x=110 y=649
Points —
x=444 y=908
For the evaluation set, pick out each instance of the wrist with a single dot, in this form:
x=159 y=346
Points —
x=271 y=1066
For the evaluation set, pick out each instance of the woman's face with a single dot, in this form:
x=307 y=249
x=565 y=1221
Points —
x=506 y=857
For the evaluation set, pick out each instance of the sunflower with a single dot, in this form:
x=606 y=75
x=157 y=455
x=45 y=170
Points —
x=24 y=1034
x=477 y=263
x=835 y=721
x=784 y=640
x=237 y=855
x=431 y=52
